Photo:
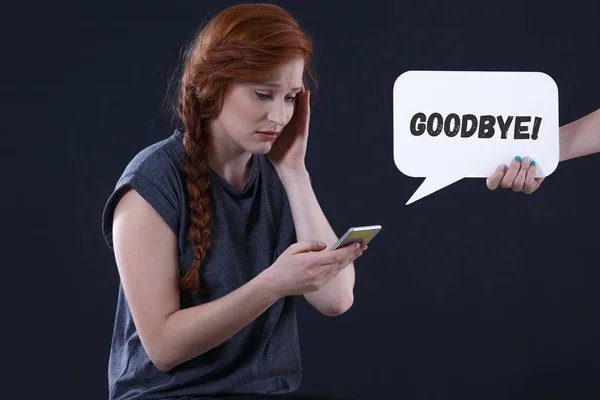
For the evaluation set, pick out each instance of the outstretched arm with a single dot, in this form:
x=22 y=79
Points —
x=581 y=137
x=578 y=138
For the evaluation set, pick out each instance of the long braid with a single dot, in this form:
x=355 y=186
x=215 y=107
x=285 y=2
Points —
x=197 y=183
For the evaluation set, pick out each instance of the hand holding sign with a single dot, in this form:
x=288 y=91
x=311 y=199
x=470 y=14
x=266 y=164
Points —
x=519 y=176
x=450 y=125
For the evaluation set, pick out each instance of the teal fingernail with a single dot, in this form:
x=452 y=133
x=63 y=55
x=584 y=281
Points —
x=533 y=163
x=518 y=159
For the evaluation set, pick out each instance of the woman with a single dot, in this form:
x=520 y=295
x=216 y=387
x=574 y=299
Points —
x=216 y=228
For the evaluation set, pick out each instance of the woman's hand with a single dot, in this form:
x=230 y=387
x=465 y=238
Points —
x=289 y=151
x=306 y=266
x=519 y=176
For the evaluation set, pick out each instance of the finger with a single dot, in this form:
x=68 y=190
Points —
x=531 y=182
x=361 y=249
x=353 y=254
x=511 y=173
x=306 y=108
x=354 y=258
x=306 y=246
x=520 y=178
x=494 y=180
x=301 y=115
x=341 y=255
x=339 y=265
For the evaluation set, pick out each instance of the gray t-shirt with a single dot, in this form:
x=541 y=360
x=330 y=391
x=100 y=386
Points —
x=249 y=229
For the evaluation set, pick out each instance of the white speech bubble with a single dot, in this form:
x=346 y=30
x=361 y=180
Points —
x=445 y=153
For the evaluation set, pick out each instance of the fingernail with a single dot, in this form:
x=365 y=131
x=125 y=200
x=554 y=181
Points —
x=503 y=167
x=526 y=160
x=533 y=163
x=518 y=159
x=356 y=245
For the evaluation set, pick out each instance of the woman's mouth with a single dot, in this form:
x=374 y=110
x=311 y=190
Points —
x=268 y=136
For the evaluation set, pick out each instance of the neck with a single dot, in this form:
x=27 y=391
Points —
x=229 y=161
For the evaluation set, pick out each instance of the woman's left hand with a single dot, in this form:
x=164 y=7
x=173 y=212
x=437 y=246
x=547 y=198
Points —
x=289 y=150
x=519 y=176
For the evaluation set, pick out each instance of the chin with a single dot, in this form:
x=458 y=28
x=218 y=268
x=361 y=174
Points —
x=261 y=148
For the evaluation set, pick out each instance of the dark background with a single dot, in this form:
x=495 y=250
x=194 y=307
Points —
x=466 y=294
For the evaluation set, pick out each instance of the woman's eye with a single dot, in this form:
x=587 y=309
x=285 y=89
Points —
x=264 y=96
x=261 y=96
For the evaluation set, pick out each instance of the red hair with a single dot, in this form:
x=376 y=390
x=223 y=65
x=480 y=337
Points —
x=243 y=42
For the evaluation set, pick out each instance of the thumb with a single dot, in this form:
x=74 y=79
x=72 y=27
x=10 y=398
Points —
x=494 y=180
x=306 y=246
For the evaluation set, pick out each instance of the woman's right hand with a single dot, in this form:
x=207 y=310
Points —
x=304 y=267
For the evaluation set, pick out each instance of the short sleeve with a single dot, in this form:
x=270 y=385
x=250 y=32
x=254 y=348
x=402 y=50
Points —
x=157 y=182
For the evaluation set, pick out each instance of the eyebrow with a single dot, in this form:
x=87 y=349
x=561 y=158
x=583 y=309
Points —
x=275 y=85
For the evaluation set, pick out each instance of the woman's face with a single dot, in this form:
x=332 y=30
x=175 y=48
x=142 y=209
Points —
x=254 y=113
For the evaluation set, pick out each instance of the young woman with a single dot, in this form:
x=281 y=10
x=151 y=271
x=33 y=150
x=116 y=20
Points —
x=216 y=228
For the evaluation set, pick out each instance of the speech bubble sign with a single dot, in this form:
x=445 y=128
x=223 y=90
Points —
x=450 y=125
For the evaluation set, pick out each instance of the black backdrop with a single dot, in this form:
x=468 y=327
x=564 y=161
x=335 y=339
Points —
x=467 y=293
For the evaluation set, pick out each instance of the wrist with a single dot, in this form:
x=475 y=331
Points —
x=565 y=134
x=293 y=176
x=269 y=285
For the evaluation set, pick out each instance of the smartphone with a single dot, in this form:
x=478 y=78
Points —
x=361 y=234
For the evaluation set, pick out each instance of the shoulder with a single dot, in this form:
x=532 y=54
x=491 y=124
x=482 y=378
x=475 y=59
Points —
x=163 y=158
x=156 y=174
